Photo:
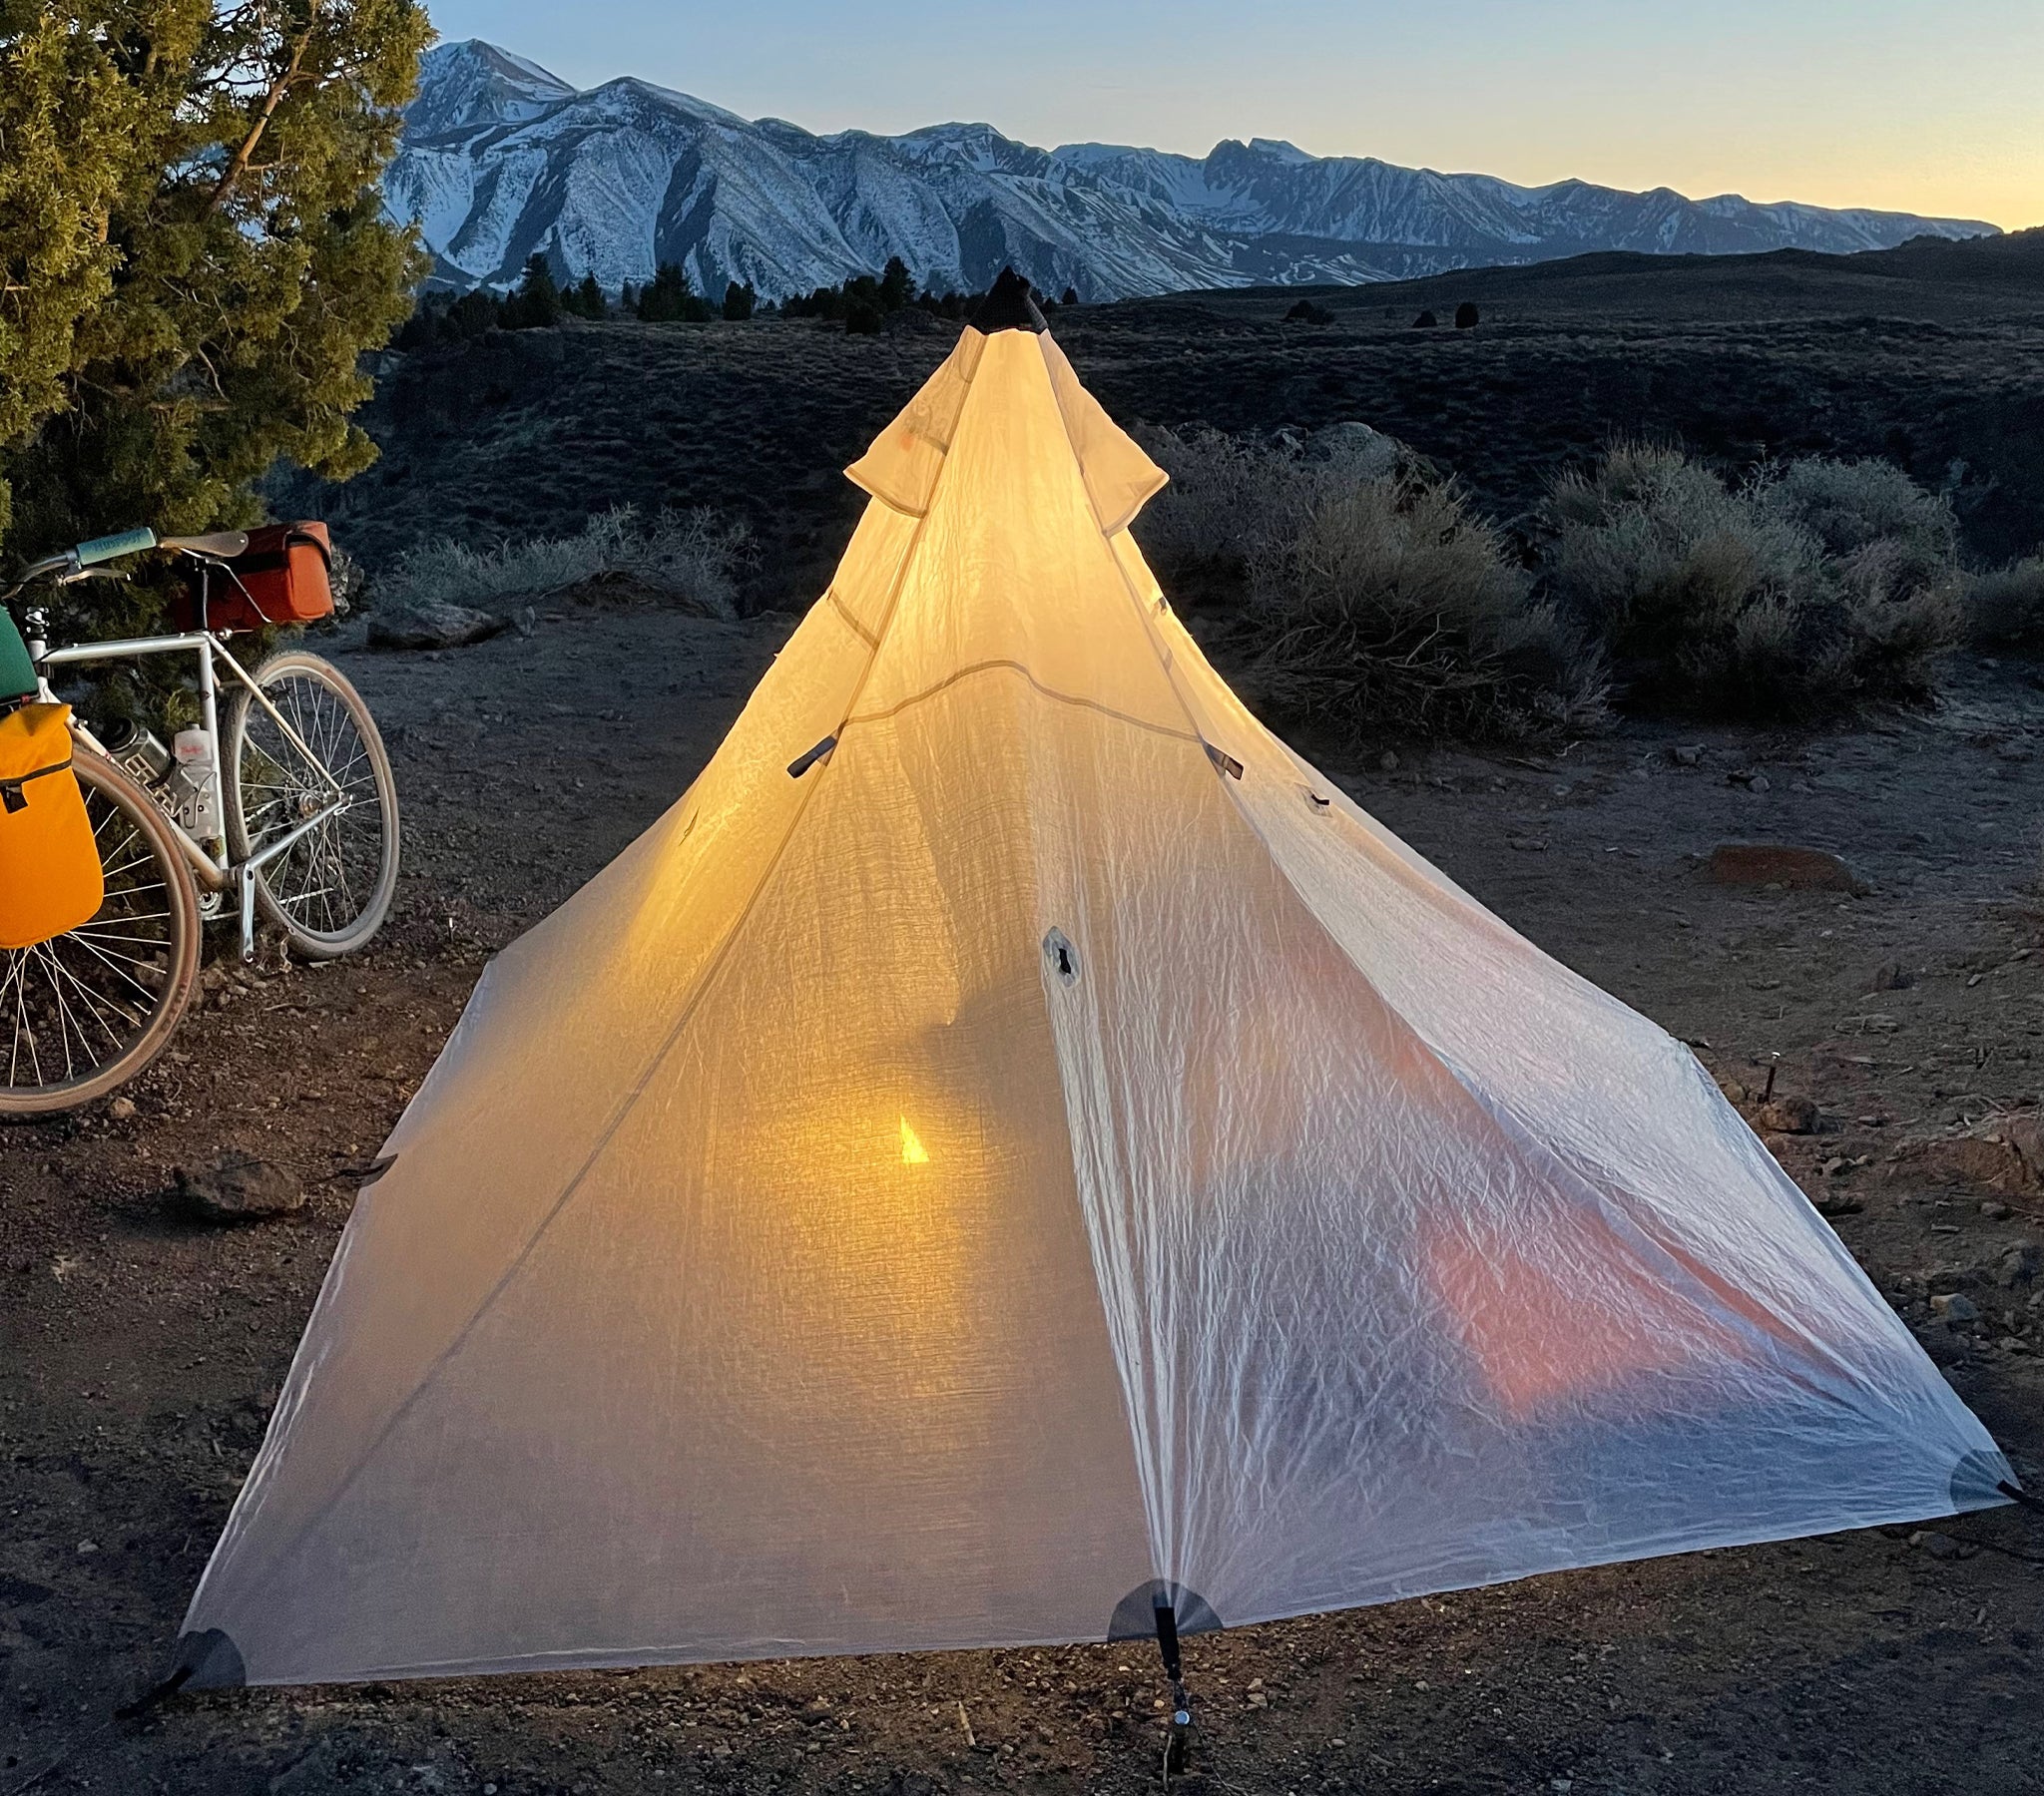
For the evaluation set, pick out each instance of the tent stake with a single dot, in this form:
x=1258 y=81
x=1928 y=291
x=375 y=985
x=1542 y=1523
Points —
x=1178 y=1749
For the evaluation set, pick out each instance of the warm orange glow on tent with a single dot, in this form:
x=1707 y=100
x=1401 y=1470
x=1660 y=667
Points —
x=913 y=1152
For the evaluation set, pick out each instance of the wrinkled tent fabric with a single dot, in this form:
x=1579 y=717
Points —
x=1014 y=1138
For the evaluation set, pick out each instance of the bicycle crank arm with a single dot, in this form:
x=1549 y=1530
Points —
x=255 y=864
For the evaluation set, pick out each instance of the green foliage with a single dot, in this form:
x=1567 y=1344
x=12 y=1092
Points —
x=1801 y=594
x=870 y=299
x=669 y=299
x=195 y=256
x=537 y=303
x=585 y=299
x=739 y=301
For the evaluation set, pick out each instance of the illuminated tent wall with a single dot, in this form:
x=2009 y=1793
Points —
x=1014 y=1142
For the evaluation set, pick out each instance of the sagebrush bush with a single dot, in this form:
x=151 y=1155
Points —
x=1393 y=607
x=1374 y=600
x=2005 y=608
x=691 y=559
x=1799 y=593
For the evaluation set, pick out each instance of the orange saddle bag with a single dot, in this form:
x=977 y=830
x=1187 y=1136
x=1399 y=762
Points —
x=50 y=879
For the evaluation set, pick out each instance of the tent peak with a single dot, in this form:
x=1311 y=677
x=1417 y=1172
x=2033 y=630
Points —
x=1008 y=306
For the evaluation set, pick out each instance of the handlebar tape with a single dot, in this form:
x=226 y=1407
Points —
x=112 y=548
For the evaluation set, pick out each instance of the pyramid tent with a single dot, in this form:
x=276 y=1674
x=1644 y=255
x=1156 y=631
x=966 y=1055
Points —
x=1014 y=1148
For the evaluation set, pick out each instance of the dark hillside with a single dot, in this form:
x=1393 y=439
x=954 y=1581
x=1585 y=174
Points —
x=1931 y=354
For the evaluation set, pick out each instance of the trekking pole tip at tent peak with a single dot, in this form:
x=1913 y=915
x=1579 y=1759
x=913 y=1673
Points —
x=1008 y=306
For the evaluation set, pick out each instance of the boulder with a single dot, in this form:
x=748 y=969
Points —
x=237 y=1188
x=432 y=624
x=1788 y=1115
x=1780 y=863
x=1357 y=448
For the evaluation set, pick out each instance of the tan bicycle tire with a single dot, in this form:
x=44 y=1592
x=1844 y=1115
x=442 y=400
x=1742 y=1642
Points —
x=183 y=931
x=310 y=943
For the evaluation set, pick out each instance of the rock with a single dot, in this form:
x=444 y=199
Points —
x=1938 y=1545
x=1838 y=1205
x=1358 y=449
x=1686 y=755
x=1994 y=1211
x=1955 y=1306
x=1779 y=863
x=2025 y=1134
x=1788 y=1115
x=1943 y=1346
x=1527 y=844
x=1307 y=313
x=122 y=1110
x=1387 y=761
x=2017 y=1266
x=432 y=624
x=238 y=1187
x=1892 y=976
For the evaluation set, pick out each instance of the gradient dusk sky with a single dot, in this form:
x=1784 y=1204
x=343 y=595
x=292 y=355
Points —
x=1907 y=104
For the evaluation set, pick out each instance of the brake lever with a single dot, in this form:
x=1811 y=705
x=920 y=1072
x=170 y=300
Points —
x=89 y=574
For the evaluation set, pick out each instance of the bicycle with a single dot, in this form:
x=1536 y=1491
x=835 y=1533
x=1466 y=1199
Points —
x=293 y=814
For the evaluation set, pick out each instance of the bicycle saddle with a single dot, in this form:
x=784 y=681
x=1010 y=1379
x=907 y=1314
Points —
x=221 y=545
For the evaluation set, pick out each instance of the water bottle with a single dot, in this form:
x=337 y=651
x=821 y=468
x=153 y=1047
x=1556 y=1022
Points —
x=136 y=751
x=197 y=805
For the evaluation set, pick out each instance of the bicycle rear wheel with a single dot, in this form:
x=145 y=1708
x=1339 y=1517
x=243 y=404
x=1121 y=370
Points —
x=83 y=1013
x=330 y=889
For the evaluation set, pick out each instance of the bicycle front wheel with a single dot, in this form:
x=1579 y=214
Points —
x=309 y=747
x=83 y=1013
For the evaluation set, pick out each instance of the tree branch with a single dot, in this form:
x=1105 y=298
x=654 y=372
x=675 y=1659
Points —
x=238 y=164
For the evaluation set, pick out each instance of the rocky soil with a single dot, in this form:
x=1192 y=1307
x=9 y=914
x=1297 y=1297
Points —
x=1897 y=1009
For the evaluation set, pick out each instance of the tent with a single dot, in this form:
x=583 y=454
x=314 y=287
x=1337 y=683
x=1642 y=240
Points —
x=1014 y=1150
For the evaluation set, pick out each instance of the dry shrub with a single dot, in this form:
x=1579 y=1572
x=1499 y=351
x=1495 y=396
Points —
x=2005 y=608
x=1393 y=607
x=690 y=559
x=1802 y=593
x=1374 y=600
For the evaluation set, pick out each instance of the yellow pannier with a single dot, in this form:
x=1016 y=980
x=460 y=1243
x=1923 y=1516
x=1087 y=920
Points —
x=49 y=862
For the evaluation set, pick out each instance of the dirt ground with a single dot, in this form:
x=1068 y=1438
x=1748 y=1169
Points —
x=139 y=1353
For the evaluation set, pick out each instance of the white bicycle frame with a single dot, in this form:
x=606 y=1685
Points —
x=211 y=868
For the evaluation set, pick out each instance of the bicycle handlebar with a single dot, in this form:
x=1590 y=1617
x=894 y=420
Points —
x=112 y=548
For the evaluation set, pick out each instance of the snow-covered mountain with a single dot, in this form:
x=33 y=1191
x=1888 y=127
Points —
x=501 y=158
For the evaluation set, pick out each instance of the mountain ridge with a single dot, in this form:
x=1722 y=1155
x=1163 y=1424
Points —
x=502 y=159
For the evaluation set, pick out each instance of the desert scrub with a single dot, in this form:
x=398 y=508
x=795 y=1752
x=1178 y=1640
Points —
x=1392 y=608
x=689 y=559
x=2005 y=606
x=1797 y=595
x=1373 y=599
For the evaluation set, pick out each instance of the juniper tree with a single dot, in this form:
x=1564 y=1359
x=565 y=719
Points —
x=193 y=252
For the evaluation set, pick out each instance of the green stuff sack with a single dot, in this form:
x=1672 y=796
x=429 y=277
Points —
x=50 y=879
x=17 y=671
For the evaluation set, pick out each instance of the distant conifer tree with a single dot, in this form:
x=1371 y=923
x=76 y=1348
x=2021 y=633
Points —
x=589 y=297
x=896 y=286
x=739 y=301
x=1071 y=296
x=1467 y=318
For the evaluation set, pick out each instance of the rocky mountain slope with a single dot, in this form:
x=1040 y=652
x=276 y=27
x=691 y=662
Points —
x=502 y=159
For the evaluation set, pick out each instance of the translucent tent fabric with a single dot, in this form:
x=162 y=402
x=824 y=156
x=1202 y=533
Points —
x=1014 y=1142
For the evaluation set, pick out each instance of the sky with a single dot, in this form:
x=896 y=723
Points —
x=1903 y=105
